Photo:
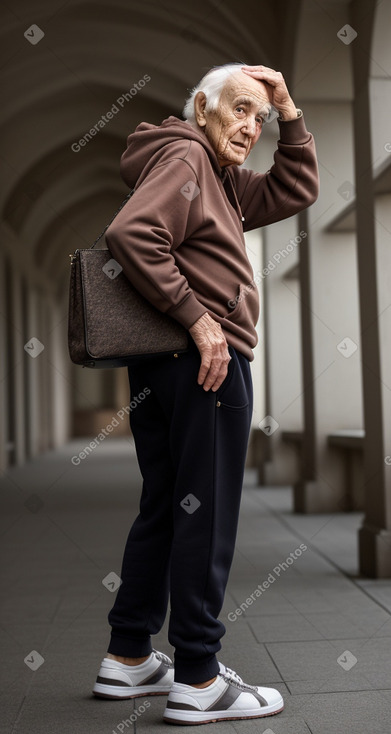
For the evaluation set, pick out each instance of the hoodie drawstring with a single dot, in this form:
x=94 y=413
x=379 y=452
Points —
x=231 y=195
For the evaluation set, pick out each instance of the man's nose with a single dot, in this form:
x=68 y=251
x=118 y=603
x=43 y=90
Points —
x=250 y=126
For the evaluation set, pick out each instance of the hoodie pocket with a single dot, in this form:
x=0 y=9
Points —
x=236 y=304
x=246 y=311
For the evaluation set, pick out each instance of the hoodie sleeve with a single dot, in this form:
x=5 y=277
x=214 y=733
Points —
x=292 y=183
x=144 y=235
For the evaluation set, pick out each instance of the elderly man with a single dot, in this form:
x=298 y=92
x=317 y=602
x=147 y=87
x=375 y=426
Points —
x=180 y=241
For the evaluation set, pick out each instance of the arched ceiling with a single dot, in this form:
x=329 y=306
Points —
x=92 y=53
x=55 y=91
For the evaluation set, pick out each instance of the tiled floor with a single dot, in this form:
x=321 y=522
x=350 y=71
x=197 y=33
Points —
x=318 y=632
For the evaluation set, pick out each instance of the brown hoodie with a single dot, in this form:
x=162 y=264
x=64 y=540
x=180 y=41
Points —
x=179 y=239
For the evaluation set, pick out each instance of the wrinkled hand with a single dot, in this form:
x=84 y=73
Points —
x=213 y=348
x=281 y=98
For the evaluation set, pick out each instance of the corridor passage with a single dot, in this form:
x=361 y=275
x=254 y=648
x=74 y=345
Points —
x=297 y=614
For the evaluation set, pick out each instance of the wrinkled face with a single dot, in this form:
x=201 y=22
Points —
x=235 y=126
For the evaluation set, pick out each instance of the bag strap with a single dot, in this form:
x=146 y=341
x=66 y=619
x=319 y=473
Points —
x=117 y=212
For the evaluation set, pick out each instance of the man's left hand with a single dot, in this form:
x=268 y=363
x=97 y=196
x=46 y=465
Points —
x=281 y=98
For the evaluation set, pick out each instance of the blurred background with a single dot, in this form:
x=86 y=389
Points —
x=70 y=74
x=77 y=77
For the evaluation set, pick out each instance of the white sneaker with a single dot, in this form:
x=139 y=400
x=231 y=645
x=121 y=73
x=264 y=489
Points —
x=227 y=698
x=153 y=677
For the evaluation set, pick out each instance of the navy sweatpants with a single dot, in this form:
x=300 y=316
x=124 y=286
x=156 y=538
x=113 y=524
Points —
x=191 y=447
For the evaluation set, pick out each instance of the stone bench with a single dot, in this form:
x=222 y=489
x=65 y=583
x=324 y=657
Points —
x=351 y=443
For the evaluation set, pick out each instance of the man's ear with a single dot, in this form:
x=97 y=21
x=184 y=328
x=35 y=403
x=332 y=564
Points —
x=199 y=108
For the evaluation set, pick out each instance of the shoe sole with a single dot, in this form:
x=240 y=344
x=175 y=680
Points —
x=194 y=718
x=121 y=693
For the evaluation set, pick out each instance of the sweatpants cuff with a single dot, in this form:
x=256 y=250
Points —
x=129 y=648
x=195 y=671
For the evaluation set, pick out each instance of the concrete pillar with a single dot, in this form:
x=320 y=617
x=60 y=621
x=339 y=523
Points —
x=19 y=357
x=374 y=267
x=3 y=367
x=59 y=375
x=33 y=407
x=44 y=381
x=308 y=444
x=8 y=404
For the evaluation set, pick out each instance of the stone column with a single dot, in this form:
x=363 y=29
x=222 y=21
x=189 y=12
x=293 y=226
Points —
x=374 y=265
x=60 y=373
x=3 y=368
x=33 y=406
x=19 y=357
x=307 y=448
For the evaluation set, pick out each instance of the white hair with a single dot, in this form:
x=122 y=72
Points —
x=211 y=85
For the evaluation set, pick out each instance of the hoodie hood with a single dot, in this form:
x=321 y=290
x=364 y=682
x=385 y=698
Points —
x=148 y=139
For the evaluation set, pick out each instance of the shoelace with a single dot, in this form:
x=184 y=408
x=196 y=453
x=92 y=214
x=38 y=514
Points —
x=162 y=657
x=231 y=674
x=231 y=677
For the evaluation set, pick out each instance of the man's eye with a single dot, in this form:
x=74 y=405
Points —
x=239 y=109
